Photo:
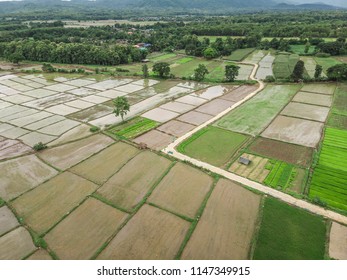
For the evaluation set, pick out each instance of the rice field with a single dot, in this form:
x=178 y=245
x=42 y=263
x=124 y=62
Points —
x=289 y=233
x=284 y=65
x=300 y=49
x=329 y=181
x=133 y=127
x=240 y=54
x=213 y=145
x=253 y=116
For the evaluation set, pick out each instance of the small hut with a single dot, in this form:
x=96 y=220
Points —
x=244 y=161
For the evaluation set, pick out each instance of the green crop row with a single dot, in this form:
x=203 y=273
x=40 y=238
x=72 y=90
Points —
x=281 y=174
x=134 y=127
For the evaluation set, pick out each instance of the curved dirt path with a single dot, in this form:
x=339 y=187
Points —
x=170 y=149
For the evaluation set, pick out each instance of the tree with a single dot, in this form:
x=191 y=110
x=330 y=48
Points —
x=48 y=68
x=298 y=72
x=318 y=71
x=16 y=57
x=200 y=72
x=337 y=72
x=210 y=53
x=307 y=47
x=231 y=72
x=145 y=71
x=122 y=106
x=162 y=69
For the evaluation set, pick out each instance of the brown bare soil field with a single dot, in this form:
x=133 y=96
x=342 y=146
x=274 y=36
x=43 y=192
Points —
x=215 y=106
x=8 y=220
x=84 y=231
x=127 y=188
x=40 y=255
x=151 y=234
x=319 y=88
x=177 y=107
x=239 y=93
x=296 y=131
x=182 y=190
x=290 y=153
x=103 y=165
x=313 y=98
x=195 y=118
x=11 y=148
x=16 y=244
x=22 y=174
x=154 y=139
x=338 y=242
x=306 y=111
x=70 y=154
x=227 y=225
x=259 y=172
x=176 y=128
x=44 y=206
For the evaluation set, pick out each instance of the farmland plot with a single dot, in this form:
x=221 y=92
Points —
x=40 y=254
x=155 y=139
x=284 y=65
x=8 y=220
x=80 y=234
x=254 y=115
x=313 y=98
x=299 y=234
x=306 y=111
x=294 y=154
x=103 y=165
x=329 y=179
x=338 y=242
x=212 y=145
x=182 y=190
x=227 y=225
x=47 y=204
x=296 y=131
x=240 y=54
x=151 y=234
x=320 y=88
x=128 y=187
x=265 y=67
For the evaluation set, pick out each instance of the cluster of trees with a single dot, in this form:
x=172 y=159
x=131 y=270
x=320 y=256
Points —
x=70 y=53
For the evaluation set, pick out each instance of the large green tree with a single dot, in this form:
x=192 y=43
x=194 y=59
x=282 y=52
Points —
x=318 y=71
x=200 y=72
x=122 y=106
x=298 y=72
x=231 y=72
x=162 y=69
x=337 y=72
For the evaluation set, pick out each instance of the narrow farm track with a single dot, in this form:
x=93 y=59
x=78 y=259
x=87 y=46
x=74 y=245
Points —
x=170 y=149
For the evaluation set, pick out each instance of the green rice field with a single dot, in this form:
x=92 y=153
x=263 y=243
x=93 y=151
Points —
x=284 y=65
x=240 y=54
x=289 y=233
x=212 y=145
x=133 y=127
x=329 y=181
x=253 y=116
x=300 y=49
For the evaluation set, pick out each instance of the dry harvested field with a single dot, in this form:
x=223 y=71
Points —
x=296 y=131
x=239 y=93
x=102 y=166
x=227 y=225
x=215 y=107
x=128 y=187
x=320 y=88
x=293 y=154
x=8 y=220
x=22 y=174
x=47 y=204
x=195 y=118
x=154 y=139
x=306 y=111
x=176 y=128
x=338 y=242
x=84 y=230
x=70 y=154
x=313 y=98
x=151 y=234
x=182 y=190
x=40 y=255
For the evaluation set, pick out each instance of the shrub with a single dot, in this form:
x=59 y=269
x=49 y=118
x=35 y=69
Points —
x=270 y=79
x=322 y=55
x=94 y=129
x=39 y=146
x=316 y=200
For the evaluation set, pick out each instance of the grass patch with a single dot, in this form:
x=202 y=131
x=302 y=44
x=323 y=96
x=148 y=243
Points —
x=329 y=179
x=212 y=145
x=326 y=62
x=300 y=49
x=2 y=202
x=254 y=115
x=240 y=54
x=288 y=233
x=133 y=127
